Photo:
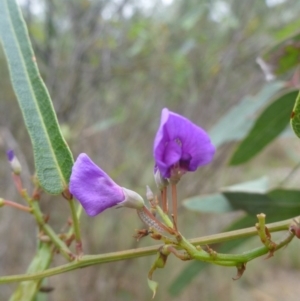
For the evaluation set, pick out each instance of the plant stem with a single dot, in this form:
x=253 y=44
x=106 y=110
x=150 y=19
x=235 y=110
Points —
x=36 y=211
x=230 y=259
x=18 y=183
x=174 y=201
x=88 y=260
x=164 y=217
x=76 y=228
x=61 y=246
x=164 y=200
x=16 y=205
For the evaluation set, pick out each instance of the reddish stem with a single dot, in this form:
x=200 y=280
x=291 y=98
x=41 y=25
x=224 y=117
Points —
x=174 y=202
x=79 y=250
x=164 y=200
x=70 y=240
x=16 y=205
x=18 y=183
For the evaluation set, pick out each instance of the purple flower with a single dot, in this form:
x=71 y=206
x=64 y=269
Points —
x=180 y=145
x=96 y=191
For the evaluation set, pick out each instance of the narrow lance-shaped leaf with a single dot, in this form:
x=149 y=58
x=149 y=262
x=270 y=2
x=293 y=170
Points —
x=213 y=203
x=237 y=122
x=276 y=204
x=218 y=203
x=267 y=127
x=295 y=117
x=27 y=290
x=53 y=159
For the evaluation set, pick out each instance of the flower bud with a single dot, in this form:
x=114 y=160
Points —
x=159 y=180
x=14 y=162
x=149 y=194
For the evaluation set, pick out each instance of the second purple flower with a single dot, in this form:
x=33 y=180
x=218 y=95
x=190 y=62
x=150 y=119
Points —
x=180 y=144
x=96 y=191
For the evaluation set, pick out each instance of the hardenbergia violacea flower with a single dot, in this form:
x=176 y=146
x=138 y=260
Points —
x=96 y=191
x=179 y=146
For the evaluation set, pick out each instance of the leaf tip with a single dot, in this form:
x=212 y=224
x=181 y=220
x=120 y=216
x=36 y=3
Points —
x=153 y=286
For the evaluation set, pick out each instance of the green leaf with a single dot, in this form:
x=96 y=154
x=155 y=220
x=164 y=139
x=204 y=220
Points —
x=236 y=123
x=277 y=204
x=153 y=286
x=287 y=31
x=53 y=159
x=218 y=203
x=253 y=197
x=295 y=117
x=259 y=185
x=27 y=290
x=267 y=127
x=283 y=56
x=213 y=203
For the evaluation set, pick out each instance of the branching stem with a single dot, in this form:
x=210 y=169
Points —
x=76 y=227
x=36 y=211
x=16 y=205
x=88 y=260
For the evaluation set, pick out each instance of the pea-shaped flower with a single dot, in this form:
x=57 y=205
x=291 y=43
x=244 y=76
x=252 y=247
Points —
x=96 y=191
x=180 y=145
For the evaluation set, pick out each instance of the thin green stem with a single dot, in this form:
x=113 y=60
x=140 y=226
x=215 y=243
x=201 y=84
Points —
x=231 y=259
x=76 y=227
x=36 y=211
x=88 y=260
x=242 y=233
x=61 y=246
x=164 y=217
x=226 y=259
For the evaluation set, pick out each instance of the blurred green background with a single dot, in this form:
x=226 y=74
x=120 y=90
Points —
x=110 y=67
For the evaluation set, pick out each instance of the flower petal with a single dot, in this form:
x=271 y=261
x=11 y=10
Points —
x=198 y=145
x=92 y=187
x=177 y=132
x=171 y=155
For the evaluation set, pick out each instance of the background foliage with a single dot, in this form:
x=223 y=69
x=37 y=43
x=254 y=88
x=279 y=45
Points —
x=110 y=67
